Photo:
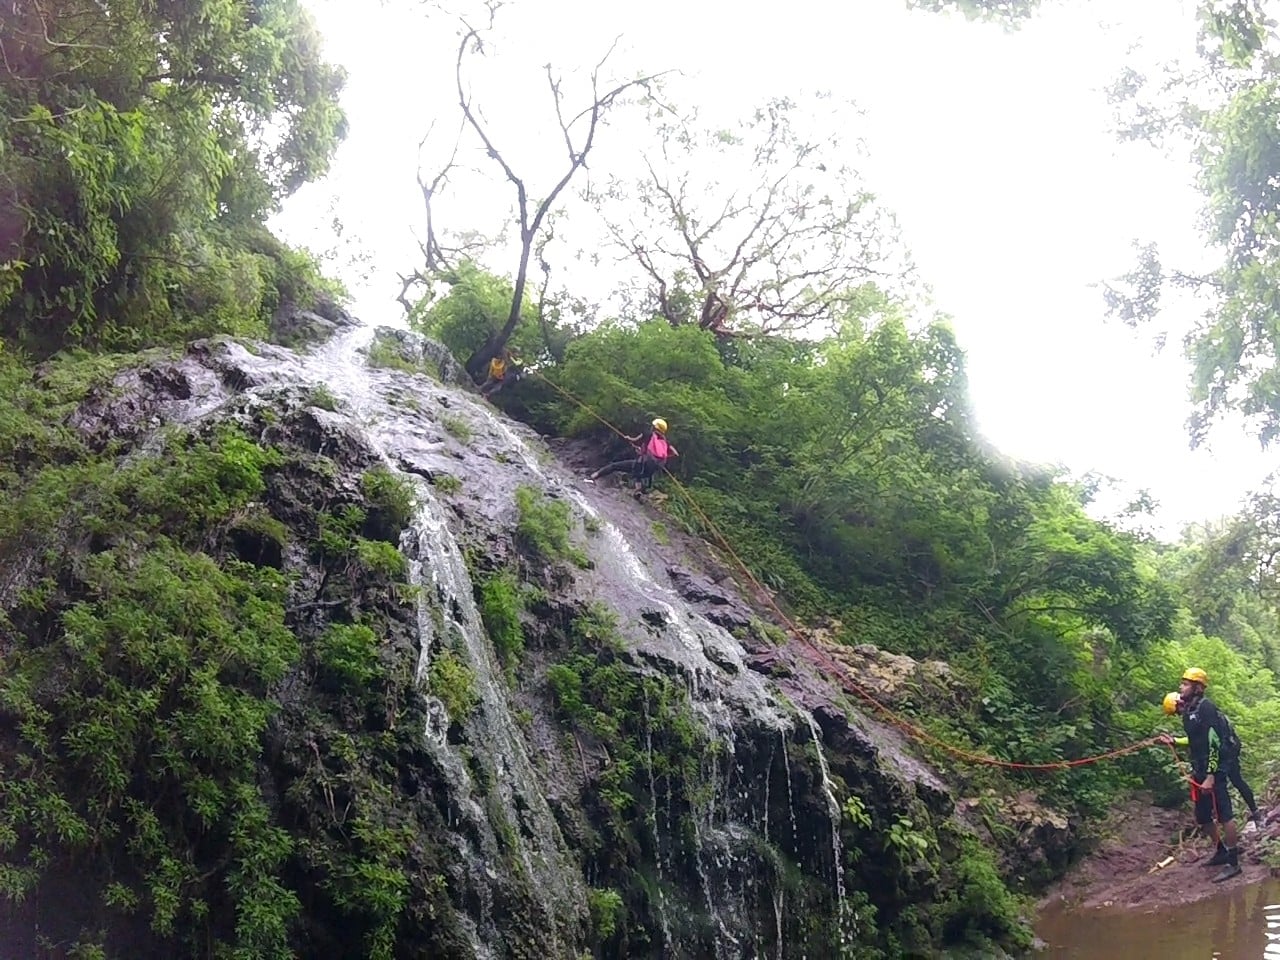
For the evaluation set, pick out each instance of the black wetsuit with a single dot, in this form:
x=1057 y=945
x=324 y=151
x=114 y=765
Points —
x=1213 y=746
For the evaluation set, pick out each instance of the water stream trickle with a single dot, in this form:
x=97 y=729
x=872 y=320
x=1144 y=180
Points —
x=833 y=806
x=447 y=613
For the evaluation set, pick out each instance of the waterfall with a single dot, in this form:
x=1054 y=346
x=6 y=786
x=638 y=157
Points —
x=504 y=826
x=446 y=611
x=833 y=806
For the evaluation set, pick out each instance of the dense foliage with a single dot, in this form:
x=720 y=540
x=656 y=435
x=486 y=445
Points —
x=1222 y=110
x=847 y=471
x=141 y=147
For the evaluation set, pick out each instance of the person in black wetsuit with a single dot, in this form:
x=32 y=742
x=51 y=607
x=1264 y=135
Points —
x=652 y=451
x=1229 y=763
x=1208 y=738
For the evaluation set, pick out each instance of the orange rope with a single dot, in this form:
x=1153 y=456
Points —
x=1184 y=769
x=823 y=659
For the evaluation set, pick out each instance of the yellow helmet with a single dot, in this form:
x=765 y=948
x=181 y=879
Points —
x=1196 y=675
x=1171 y=702
x=660 y=425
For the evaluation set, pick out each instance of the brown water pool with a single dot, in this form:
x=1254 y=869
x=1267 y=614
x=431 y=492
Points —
x=1242 y=923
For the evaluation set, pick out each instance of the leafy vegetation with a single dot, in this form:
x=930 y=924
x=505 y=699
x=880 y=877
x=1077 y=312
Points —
x=847 y=472
x=144 y=146
x=166 y=658
x=139 y=703
x=1222 y=111
x=454 y=683
x=824 y=430
x=544 y=526
x=500 y=608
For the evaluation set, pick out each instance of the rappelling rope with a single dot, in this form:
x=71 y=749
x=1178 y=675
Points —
x=841 y=671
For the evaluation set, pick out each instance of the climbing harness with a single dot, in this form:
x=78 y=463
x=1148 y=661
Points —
x=824 y=660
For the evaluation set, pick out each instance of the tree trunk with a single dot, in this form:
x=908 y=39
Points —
x=479 y=361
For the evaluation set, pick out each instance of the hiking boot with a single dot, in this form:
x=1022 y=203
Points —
x=1220 y=856
x=1229 y=871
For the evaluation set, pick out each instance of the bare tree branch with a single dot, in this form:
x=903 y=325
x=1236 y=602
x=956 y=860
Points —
x=434 y=256
x=785 y=236
x=530 y=215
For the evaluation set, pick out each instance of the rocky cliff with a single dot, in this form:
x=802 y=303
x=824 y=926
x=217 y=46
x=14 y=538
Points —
x=315 y=654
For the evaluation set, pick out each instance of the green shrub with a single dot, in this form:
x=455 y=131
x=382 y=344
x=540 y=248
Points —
x=500 y=610
x=380 y=557
x=150 y=710
x=978 y=907
x=454 y=682
x=544 y=525
x=350 y=652
x=391 y=497
x=606 y=911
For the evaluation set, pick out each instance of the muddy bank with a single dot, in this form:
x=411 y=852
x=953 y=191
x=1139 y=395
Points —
x=1117 y=874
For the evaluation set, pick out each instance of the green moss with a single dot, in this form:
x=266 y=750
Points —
x=544 y=525
x=446 y=483
x=392 y=500
x=383 y=353
x=454 y=682
x=257 y=521
x=456 y=427
x=645 y=721
x=500 y=610
x=596 y=625
x=322 y=397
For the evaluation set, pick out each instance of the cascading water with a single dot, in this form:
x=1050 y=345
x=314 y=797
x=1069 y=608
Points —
x=729 y=820
x=833 y=806
x=446 y=611
x=652 y=818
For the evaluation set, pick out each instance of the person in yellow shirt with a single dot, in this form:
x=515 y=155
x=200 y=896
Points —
x=501 y=369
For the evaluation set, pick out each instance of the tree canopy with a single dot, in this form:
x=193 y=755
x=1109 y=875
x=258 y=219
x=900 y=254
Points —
x=142 y=145
x=1224 y=112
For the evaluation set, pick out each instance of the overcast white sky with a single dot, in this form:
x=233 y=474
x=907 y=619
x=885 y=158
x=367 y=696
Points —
x=993 y=149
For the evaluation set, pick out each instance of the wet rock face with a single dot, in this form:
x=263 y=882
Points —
x=597 y=747
x=292 y=326
x=136 y=404
x=418 y=352
x=715 y=602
